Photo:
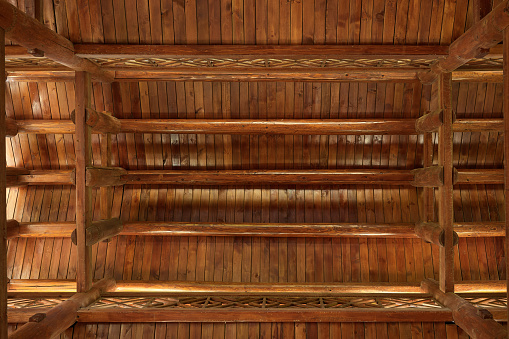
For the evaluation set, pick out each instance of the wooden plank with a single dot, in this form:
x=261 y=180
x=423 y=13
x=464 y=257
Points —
x=241 y=315
x=445 y=206
x=83 y=193
x=506 y=143
x=3 y=202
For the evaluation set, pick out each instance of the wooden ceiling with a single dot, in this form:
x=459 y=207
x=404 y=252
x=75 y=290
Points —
x=236 y=258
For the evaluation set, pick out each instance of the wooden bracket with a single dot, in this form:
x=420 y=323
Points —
x=432 y=232
x=11 y=127
x=100 y=230
x=105 y=176
x=429 y=122
x=12 y=228
x=432 y=176
x=101 y=122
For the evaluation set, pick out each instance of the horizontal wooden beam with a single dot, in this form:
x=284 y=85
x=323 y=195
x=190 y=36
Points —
x=432 y=232
x=63 y=229
x=32 y=34
x=431 y=176
x=133 y=287
x=100 y=122
x=269 y=126
x=96 y=177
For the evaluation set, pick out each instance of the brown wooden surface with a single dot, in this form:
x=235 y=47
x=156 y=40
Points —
x=83 y=192
x=429 y=122
x=31 y=34
x=100 y=230
x=11 y=129
x=506 y=142
x=12 y=229
x=260 y=127
x=466 y=315
x=101 y=122
x=432 y=232
x=61 y=317
x=105 y=176
x=3 y=204
x=431 y=176
x=445 y=192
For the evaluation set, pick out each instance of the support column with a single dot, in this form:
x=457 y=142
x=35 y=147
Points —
x=445 y=196
x=3 y=204
x=506 y=147
x=83 y=89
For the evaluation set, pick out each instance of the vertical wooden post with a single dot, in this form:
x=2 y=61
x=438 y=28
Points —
x=106 y=192
x=445 y=208
x=83 y=193
x=3 y=204
x=506 y=149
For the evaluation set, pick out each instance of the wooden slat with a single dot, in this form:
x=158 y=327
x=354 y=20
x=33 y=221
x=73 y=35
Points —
x=445 y=205
x=83 y=192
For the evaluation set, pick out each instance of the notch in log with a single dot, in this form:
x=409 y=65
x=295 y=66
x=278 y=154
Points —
x=12 y=229
x=100 y=231
x=11 y=127
x=432 y=232
x=100 y=122
x=431 y=176
x=429 y=122
x=105 y=176
x=37 y=318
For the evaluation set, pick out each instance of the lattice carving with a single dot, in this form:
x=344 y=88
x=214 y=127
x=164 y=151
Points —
x=34 y=303
x=500 y=302
x=264 y=302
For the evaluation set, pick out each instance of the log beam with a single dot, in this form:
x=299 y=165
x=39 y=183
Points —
x=429 y=122
x=31 y=34
x=83 y=192
x=64 y=229
x=119 y=176
x=262 y=127
x=42 y=287
x=3 y=203
x=432 y=232
x=63 y=316
x=506 y=145
x=105 y=176
x=483 y=35
x=100 y=122
x=471 y=319
x=100 y=230
x=432 y=176
x=445 y=192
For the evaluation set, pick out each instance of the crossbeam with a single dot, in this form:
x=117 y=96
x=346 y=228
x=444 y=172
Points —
x=64 y=229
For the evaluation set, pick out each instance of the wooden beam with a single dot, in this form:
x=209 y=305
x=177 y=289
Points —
x=483 y=35
x=445 y=202
x=432 y=176
x=30 y=33
x=63 y=229
x=100 y=230
x=264 y=316
x=3 y=203
x=83 y=192
x=100 y=122
x=64 y=315
x=429 y=122
x=254 y=177
x=506 y=147
x=469 y=318
x=43 y=287
x=432 y=232
x=257 y=51
x=261 y=127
